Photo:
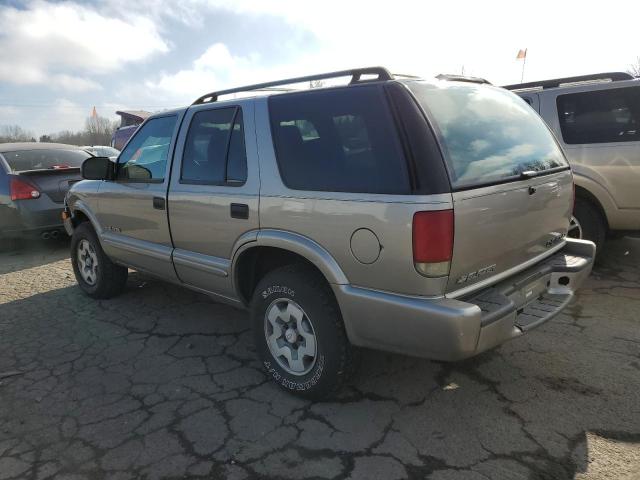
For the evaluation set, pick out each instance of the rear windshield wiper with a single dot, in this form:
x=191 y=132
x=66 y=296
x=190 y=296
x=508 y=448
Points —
x=528 y=174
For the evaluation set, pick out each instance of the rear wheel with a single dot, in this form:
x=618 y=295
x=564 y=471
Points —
x=299 y=333
x=95 y=273
x=587 y=223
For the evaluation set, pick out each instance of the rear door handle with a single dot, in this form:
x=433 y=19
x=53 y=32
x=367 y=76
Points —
x=158 y=203
x=239 y=210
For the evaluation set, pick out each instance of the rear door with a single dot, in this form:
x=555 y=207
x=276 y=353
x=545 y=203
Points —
x=213 y=197
x=132 y=209
x=512 y=186
x=508 y=225
x=600 y=130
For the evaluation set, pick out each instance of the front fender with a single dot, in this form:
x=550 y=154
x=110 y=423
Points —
x=74 y=205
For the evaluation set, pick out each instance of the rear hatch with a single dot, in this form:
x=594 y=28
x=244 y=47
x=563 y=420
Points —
x=52 y=171
x=512 y=187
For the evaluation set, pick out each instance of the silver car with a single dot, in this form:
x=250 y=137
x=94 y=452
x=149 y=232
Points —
x=597 y=120
x=424 y=217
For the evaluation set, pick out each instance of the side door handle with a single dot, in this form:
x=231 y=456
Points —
x=158 y=203
x=239 y=210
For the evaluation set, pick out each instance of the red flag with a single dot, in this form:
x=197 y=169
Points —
x=522 y=54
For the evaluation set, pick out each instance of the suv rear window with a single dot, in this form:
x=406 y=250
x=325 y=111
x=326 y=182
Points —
x=340 y=140
x=489 y=134
x=600 y=116
x=44 y=159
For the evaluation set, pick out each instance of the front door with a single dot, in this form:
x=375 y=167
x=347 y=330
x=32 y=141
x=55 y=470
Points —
x=213 y=198
x=132 y=209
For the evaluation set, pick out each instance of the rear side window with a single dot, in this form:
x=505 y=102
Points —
x=601 y=116
x=341 y=140
x=489 y=134
x=214 y=151
x=42 y=159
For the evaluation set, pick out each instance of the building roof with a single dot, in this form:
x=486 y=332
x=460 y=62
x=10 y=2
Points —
x=140 y=114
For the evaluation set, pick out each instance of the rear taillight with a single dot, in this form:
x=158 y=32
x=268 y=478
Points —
x=433 y=242
x=22 y=190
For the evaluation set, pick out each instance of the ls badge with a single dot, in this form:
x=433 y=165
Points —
x=473 y=276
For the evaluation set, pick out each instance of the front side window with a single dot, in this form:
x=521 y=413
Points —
x=214 y=151
x=341 y=140
x=489 y=134
x=601 y=116
x=144 y=159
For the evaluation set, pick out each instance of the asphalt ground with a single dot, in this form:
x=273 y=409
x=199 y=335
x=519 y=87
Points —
x=161 y=382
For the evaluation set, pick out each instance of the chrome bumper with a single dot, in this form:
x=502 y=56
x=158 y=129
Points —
x=454 y=329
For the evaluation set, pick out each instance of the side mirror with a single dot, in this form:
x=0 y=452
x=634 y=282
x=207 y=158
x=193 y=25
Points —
x=98 y=168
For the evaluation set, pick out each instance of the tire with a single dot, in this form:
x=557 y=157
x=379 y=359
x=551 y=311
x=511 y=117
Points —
x=592 y=223
x=301 y=296
x=102 y=279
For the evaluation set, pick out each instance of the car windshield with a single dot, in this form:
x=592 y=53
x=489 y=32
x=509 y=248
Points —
x=44 y=159
x=489 y=134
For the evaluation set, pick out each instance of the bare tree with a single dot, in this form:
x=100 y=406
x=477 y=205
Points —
x=634 y=68
x=97 y=131
x=14 y=133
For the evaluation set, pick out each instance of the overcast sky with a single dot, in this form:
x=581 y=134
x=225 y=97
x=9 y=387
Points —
x=59 y=59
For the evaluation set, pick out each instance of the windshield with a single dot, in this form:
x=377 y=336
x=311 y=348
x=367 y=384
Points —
x=43 y=159
x=489 y=134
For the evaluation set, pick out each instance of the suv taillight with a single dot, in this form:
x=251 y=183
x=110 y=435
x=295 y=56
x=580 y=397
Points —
x=22 y=190
x=433 y=242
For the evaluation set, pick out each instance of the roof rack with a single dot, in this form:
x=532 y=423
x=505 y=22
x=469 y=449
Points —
x=462 y=78
x=557 y=82
x=355 y=74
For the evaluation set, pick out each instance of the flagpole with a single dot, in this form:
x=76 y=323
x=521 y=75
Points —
x=524 y=62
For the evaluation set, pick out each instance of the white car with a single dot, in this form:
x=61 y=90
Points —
x=101 y=150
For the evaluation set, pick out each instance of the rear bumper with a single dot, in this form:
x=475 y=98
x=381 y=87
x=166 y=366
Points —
x=31 y=217
x=454 y=329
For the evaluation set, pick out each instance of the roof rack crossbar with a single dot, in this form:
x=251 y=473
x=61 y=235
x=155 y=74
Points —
x=556 y=82
x=462 y=78
x=355 y=74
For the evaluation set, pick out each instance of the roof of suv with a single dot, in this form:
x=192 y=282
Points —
x=599 y=79
x=380 y=74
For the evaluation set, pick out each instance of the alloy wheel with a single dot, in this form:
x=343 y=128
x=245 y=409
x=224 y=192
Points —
x=87 y=262
x=290 y=336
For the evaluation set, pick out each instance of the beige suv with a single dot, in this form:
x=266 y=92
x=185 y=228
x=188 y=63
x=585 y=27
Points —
x=422 y=217
x=597 y=120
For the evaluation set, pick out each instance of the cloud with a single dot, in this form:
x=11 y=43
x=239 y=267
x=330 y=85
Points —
x=63 y=43
x=76 y=84
x=214 y=66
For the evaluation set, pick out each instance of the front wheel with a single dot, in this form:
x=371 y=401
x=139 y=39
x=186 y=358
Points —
x=95 y=273
x=299 y=332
